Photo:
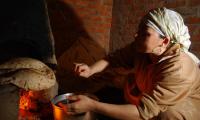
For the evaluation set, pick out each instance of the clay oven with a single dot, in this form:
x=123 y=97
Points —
x=27 y=61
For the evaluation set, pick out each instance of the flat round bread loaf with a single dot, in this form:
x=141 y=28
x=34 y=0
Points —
x=27 y=73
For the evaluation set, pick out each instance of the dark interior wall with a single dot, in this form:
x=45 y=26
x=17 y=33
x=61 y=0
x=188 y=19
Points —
x=81 y=31
x=66 y=25
x=72 y=19
x=96 y=16
x=127 y=14
x=25 y=30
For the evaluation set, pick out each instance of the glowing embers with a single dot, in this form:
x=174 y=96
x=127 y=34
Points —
x=27 y=101
x=31 y=107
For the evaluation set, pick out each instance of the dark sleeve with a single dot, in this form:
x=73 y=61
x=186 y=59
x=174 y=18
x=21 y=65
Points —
x=123 y=57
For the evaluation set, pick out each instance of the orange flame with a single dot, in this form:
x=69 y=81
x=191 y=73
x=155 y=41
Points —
x=26 y=102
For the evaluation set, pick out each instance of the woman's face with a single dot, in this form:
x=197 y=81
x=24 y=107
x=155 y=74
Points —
x=147 y=39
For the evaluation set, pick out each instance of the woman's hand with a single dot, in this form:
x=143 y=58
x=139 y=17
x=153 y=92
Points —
x=82 y=70
x=82 y=104
x=86 y=71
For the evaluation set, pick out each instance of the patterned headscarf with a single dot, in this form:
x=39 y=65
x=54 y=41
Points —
x=169 y=23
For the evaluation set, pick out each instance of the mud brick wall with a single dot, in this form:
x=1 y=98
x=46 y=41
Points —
x=127 y=14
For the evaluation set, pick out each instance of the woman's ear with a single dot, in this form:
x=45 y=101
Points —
x=166 y=41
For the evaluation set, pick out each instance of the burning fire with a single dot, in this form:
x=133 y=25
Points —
x=27 y=102
x=31 y=107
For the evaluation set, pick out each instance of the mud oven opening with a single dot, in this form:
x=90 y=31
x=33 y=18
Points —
x=26 y=87
x=33 y=107
x=19 y=103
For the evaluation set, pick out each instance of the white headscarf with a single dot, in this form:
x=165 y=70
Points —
x=169 y=23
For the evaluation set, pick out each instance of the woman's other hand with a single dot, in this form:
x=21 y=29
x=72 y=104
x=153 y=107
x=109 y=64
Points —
x=82 y=70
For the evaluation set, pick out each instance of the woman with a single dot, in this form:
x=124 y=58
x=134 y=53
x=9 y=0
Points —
x=167 y=77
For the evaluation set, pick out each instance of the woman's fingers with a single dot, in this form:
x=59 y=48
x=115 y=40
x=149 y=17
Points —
x=63 y=106
x=79 y=67
x=73 y=109
x=78 y=104
x=72 y=113
x=73 y=98
x=68 y=108
x=82 y=70
x=76 y=66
